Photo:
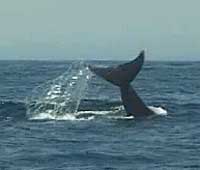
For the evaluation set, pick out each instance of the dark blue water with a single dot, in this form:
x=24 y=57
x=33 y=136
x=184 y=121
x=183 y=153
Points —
x=98 y=135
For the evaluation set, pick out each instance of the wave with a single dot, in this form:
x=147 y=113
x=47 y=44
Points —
x=12 y=109
x=78 y=116
x=88 y=109
x=67 y=116
x=121 y=117
x=17 y=110
x=116 y=113
x=190 y=105
x=148 y=68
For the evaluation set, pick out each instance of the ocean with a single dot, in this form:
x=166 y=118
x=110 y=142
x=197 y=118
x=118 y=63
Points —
x=57 y=115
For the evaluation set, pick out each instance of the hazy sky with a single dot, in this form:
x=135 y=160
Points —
x=99 y=29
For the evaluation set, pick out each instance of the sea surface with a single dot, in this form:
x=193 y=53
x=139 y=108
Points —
x=57 y=115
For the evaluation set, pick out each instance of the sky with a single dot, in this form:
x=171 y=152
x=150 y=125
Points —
x=99 y=29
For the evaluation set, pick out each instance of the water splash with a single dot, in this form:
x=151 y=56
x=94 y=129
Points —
x=61 y=96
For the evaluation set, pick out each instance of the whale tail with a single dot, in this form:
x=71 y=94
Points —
x=122 y=76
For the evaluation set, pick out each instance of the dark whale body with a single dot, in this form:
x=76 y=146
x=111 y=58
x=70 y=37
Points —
x=122 y=76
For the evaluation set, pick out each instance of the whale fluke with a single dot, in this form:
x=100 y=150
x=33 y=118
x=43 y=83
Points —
x=122 y=76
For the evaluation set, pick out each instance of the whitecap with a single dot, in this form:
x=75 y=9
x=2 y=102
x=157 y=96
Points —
x=122 y=117
x=74 y=77
x=93 y=112
x=50 y=116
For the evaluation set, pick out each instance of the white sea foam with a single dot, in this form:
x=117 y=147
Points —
x=74 y=77
x=80 y=72
x=94 y=112
x=122 y=117
x=48 y=116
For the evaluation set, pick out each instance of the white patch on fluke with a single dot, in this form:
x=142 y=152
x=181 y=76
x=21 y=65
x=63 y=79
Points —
x=158 y=110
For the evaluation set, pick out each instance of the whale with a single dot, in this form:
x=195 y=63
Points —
x=122 y=75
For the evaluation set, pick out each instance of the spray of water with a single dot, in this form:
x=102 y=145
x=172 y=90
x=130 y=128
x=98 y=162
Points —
x=61 y=96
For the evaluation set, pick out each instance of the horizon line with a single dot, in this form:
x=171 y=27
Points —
x=60 y=60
